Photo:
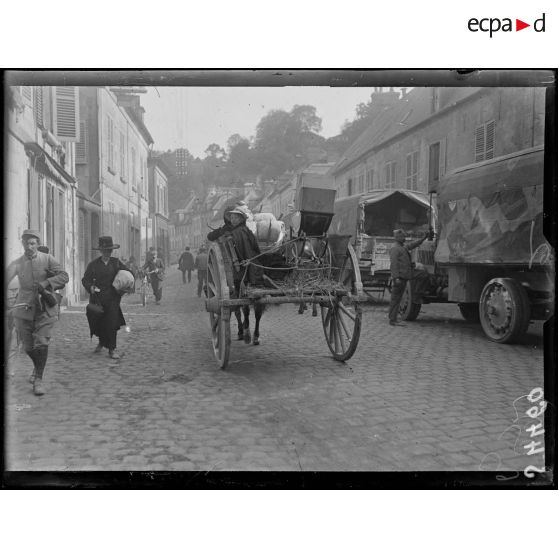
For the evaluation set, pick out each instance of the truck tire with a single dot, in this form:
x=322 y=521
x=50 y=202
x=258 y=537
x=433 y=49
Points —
x=505 y=310
x=408 y=310
x=470 y=312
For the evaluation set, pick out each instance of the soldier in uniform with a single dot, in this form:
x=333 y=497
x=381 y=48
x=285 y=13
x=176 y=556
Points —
x=402 y=270
x=39 y=276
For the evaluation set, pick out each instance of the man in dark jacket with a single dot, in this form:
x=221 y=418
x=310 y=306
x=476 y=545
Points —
x=155 y=268
x=39 y=276
x=186 y=264
x=97 y=280
x=402 y=270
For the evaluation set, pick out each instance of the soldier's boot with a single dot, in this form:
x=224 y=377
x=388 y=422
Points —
x=41 y=356
x=32 y=356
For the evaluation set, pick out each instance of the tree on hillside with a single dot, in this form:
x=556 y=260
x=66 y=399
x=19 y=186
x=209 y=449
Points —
x=213 y=165
x=241 y=165
x=283 y=139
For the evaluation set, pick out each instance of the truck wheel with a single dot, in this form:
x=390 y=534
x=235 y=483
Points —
x=504 y=310
x=408 y=310
x=470 y=311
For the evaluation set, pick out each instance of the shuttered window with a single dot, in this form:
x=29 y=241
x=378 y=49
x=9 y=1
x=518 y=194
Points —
x=145 y=185
x=412 y=171
x=110 y=143
x=361 y=184
x=370 y=180
x=484 y=141
x=27 y=94
x=66 y=113
x=38 y=105
x=434 y=166
x=122 y=157
x=134 y=171
x=389 y=175
x=81 y=145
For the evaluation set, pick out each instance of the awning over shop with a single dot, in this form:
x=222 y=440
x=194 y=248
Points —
x=45 y=164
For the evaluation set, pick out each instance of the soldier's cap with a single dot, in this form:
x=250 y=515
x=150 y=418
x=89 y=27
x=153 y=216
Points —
x=399 y=232
x=31 y=232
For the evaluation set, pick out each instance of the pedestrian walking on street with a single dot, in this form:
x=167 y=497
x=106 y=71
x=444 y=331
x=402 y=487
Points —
x=155 y=268
x=39 y=276
x=402 y=270
x=98 y=279
x=186 y=264
x=201 y=265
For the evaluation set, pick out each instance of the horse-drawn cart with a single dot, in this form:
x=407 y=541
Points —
x=309 y=268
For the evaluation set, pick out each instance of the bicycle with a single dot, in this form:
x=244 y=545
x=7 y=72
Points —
x=144 y=285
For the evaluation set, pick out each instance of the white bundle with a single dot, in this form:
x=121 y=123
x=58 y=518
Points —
x=268 y=229
x=264 y=217
x=124 y=281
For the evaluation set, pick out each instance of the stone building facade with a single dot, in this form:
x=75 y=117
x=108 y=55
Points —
x=40 y=185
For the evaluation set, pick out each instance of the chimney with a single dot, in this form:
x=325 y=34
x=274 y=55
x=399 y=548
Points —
x=384 y=99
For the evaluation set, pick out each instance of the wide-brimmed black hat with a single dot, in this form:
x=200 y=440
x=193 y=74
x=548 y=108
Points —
x=105 y=243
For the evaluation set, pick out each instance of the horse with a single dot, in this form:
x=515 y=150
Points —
x=244 y=324
x=242 y=313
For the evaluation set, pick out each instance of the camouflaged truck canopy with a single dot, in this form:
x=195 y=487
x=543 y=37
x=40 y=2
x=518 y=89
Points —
x=492 y=212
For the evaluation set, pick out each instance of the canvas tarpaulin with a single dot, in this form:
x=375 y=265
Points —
x=492 y=213
x=348 y=211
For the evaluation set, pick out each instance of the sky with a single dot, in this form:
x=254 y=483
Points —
x=195 y=117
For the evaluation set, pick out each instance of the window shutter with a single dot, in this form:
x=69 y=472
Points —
x=434 y=166
x=489 y=145
x=27 y=94
x=81 y=145
x=479 y=144
x=66 y=114
x=38 y=105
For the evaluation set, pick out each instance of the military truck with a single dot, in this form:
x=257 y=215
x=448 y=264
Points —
x=370 y=219
x=489 y=254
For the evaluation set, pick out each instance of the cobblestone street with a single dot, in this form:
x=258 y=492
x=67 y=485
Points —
x=435 y=395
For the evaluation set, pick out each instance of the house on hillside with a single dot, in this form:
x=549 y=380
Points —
x=433 y=130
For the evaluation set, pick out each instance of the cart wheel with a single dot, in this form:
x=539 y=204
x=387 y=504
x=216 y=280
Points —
x=504 y=310
x=408 y=310
x=220 y=319
x=342 y=318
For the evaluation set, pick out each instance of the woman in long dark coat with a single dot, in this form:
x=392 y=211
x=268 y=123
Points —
x=98 y=278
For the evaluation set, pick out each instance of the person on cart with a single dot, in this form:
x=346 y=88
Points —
x=245 y=243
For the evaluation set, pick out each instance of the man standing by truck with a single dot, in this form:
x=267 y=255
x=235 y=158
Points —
x=402 y=270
